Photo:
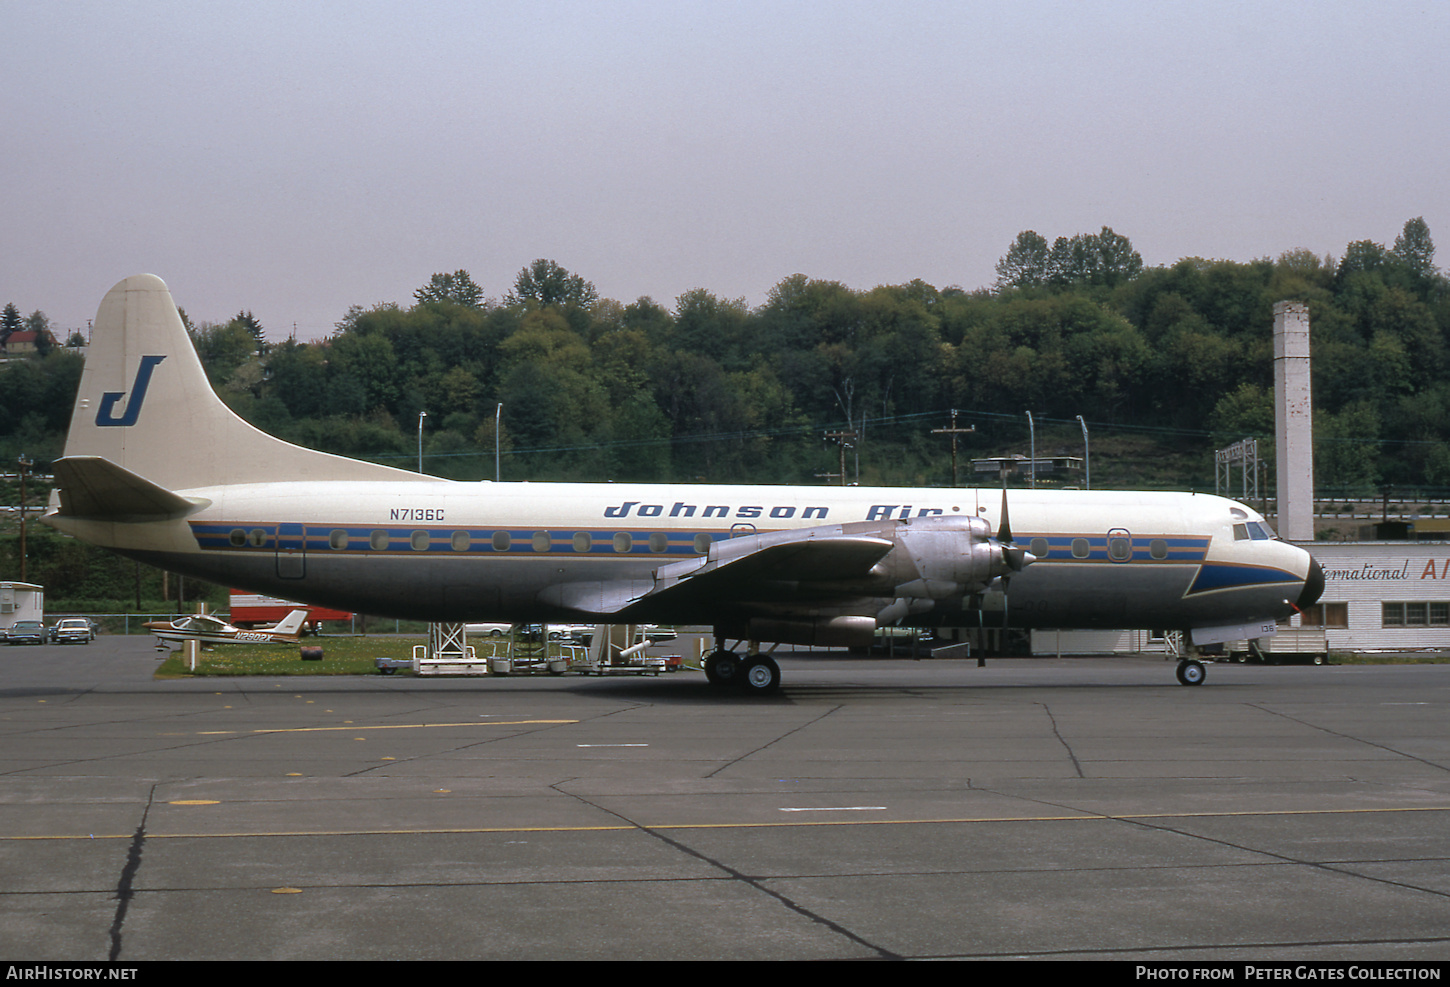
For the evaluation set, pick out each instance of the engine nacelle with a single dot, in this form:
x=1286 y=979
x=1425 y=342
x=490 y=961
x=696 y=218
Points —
x=830 y=632
x=940 y=557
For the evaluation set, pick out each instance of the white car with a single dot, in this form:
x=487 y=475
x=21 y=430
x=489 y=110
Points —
x=72 y=630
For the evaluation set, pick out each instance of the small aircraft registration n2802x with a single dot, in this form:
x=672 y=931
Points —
x=157 y=468
x=207 y=629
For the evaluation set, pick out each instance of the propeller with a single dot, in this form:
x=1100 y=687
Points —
x=1016 y=558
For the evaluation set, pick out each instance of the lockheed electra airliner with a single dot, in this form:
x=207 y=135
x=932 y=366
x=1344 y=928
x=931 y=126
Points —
x=157 y=468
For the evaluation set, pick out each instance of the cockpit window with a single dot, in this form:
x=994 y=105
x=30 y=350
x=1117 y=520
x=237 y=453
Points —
x=1253 y=530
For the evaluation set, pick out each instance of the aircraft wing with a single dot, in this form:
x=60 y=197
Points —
x=826 y=559
x=740 y=569
x=93 y=487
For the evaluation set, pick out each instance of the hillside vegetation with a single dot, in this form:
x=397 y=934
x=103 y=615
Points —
x=1163 y=364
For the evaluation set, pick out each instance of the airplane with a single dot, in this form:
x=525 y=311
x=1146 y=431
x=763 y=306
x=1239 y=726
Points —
x=158 y=468
x=213 y=630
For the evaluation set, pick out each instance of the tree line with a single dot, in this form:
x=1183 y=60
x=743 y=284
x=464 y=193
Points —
x=1171 y=360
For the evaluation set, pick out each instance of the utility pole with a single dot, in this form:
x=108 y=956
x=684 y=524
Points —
x=845 y=439
x=954 y=432
x=25 y=465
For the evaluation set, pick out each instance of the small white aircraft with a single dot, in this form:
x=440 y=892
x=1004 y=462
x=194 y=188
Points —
x=213 y=630
x=157 y=468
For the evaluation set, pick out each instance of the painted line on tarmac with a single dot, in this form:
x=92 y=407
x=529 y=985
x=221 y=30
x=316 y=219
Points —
x=380 y=726
x=626 y=827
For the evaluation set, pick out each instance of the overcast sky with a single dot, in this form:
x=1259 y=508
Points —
x=296 y=158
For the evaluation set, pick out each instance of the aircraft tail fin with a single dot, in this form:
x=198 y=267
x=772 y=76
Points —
x=146 y=406
x=292 y=623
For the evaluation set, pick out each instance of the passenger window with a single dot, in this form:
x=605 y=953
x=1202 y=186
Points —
x=502 y=541
x=239 y=537
x=419 y=541
x=1039 y=548
x=1158 y=548
x=542 y=541
x=702 y=544
x=378 y=540
x=1119 y=549
x=259 y=538
x=623 y=542
x=1080 y=548
x=659 y=542
x=461 y=541
x=582 y=541
x=337 y=539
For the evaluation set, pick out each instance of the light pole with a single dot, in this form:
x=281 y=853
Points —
x=1087 y=461
x=421 y=416
x=497 y=467
x=1032 y=431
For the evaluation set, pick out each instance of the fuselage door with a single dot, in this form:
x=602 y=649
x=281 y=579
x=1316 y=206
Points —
x=291 y=550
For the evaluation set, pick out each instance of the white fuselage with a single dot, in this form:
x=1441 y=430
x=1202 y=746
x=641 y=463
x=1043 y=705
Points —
x=456 y=551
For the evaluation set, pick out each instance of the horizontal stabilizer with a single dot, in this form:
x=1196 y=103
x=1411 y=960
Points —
x=98 y=489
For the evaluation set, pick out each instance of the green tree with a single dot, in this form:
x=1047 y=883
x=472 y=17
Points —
x=369 y=359
x=457 y=288
x=1345 y=448
x=297 y=375
x=1415 y=250
x=249 y=322
x=710 y=326
x=546 y=283
x=1026 y=262
x=10 y=321
x=1105 y=258
x=223 y=348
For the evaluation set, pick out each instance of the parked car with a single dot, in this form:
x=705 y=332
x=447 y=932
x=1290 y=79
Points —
x=26 y=632
x=72 y=630
x=489 y=630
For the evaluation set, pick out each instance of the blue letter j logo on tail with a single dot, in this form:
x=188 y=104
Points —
x=104 y=414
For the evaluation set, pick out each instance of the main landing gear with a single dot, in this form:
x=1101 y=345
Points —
x=756 y=674
x=1191 y=672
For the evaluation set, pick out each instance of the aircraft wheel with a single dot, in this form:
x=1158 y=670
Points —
x=1191 y=672
x=723 y=668
x=762 y=675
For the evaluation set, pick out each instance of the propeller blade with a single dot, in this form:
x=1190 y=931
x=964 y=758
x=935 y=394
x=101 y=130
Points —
x=1015 y=558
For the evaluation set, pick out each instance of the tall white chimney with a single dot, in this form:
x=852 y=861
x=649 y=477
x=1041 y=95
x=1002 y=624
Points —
x=1293 y=422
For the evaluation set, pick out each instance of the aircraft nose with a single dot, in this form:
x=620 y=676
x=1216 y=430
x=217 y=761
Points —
x=1313 y=585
